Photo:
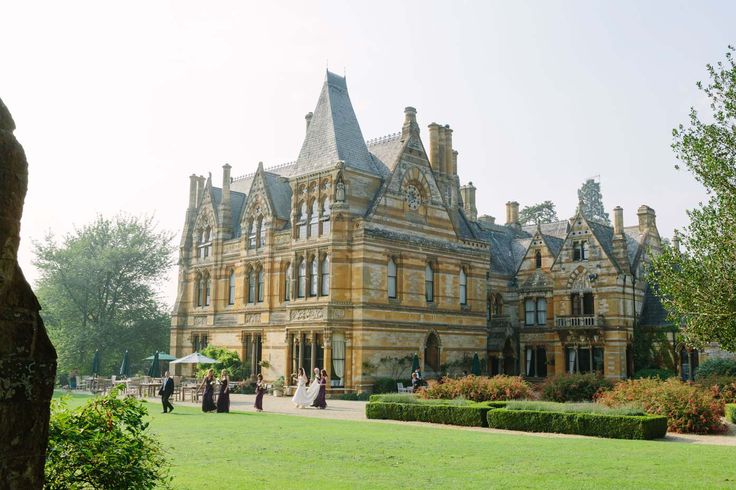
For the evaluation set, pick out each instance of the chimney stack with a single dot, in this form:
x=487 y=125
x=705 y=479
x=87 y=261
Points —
x=487 y=219
x=225 y=207
x=676 y=241
x=512 y=214
x=192 y=191
x=434 y=147
x=468 y=195
x=647 y=219
x=618 y=220
x=410 y=123
x=448 y=150
x=308 y=118
x=200 y=189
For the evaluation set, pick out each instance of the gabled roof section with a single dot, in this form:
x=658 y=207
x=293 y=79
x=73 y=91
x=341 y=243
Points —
x=386 y=150
x=334 y=133
x=237 y=200
x=507 y=246
x=604 y=235
x=653 y=313
x=279 y=191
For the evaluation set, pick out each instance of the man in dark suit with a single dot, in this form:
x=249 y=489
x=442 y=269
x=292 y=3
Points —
x=167 y=389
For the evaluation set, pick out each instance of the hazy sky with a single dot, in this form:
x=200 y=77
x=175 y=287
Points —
x=117 y=103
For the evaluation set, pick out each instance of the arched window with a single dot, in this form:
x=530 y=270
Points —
x=207 y=290
x=497 y=305
x=314 y=220
x=261 y=233
x=325 y=276
x=260 y=285
x=392 y=278
x=301 y=221
x=287 y=283
x=231 y=288
x=252 y=233
x=313 y=277
x=538 y=260
x=200 y=290
x=326 y=216
x=251 y=286
x=541 y=311
x=302 y=279
x=432 y=354
x=429 y=283
x=463 y=287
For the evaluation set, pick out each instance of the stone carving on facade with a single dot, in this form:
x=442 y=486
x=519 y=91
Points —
x=200 y=320
x=225 y=320
x=253 y=318
x=307 y=314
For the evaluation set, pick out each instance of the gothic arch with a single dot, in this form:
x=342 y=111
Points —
x=579 y=280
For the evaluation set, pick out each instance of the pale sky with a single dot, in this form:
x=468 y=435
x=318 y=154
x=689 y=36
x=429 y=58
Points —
x=117 y=103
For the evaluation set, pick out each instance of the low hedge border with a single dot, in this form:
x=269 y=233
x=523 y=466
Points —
x=470 y=415
x=585 y=424
x=731 y=412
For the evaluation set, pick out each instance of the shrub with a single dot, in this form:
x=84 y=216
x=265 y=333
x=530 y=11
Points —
x=574 y=387
x=688 y=407
x=731 y=412
x=716 y=367
x=654 y=373
x=226 y=359
x=585 y=407
x=388 y=385
x=353 y=396
x=394 y=398
x=469 y=415
x=478 y=388
x=722 y=387
x=103 y=444
x=587 y=424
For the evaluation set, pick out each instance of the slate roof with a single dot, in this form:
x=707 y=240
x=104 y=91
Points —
x=386 y=150
x=634 y=241
x=557 y=229
x=280 y=192
x=604 y=235
x=334 y=133
x=504 y=251
x=237 y=200
x=653 y=313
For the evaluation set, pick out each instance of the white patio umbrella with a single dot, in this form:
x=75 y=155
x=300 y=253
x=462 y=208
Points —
x=194 y=358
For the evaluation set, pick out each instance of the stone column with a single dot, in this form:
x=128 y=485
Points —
x=254 y=355
x=313 y=350
x=327 y=349
x=289 y=357
x=27 y=358
x=348 y=370
x=299 y=352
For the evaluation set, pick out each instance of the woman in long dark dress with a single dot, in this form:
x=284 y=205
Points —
x=321 y=401
x=260 y=390
x=223 y=399
x=208 y=404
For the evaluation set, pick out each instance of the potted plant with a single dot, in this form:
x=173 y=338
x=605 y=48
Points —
x=277 y=387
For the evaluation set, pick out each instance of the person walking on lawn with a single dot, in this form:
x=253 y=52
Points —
x=167 y=389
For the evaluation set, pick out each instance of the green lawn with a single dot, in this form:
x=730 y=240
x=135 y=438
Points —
x=262 y=450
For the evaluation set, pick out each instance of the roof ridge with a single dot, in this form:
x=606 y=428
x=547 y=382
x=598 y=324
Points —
x=382 y=139
x=265 y=169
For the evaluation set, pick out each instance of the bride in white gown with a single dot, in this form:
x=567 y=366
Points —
x=304 y=396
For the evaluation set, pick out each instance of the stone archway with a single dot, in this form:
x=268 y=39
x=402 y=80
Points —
x=432 y=353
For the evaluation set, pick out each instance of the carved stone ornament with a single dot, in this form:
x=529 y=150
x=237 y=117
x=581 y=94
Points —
x=307 y=314
x=253 y=318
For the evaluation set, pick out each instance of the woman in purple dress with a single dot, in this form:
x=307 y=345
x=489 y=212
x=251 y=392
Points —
x=320 y=401
x=223 y=399
x=260 y=390
x=208 y=404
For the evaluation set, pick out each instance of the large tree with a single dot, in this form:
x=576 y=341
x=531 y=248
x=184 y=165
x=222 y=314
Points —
x=591 y=202
x=543 y=212
x=697 y=282
x=98 y=290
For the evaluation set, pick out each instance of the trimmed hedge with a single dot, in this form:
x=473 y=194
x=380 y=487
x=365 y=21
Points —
x=469 y=415
x=586 y=424
x=731 y=412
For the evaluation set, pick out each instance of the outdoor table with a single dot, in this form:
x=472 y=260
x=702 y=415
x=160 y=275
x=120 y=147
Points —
x=148 y=388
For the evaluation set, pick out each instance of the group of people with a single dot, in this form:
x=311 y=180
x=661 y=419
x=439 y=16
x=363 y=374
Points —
x=312 y=393
x=208 y=384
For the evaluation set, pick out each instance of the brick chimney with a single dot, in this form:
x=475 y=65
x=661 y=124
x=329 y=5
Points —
x=647 y=219
x=620 y=249
x=225 y=205
x=468 y=195
x=410 y=128
x=434 y=147
x=512 y=214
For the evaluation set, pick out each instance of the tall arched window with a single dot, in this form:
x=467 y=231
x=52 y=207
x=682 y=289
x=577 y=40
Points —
x=231 y=288
x=301 y=221
x=200 y=290
x=261 y=233
x=313 y=277
x=260 y=284
x=207 y=290
x=538 y=260
x=326 y=216
x=392 y=278
x=251 y=286
x=463 y=287
x=252 y=233
x=302 y=279
x=314 y=219
x=325 y=279
x=429 y=283
x=287 y=283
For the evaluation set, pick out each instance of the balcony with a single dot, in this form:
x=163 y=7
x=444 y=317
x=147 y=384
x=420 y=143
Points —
x=585 y=321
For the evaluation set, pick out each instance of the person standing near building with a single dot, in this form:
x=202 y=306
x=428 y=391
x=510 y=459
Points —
x=223 y=399
x=208 y=404
x=167 y=389
x=260 y=390
x=321 y=400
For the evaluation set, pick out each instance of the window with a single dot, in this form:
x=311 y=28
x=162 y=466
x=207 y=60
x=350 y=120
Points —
x=252 y=233
x=205 y=243
x=207 y=290
x=463 y=287
x=338 y=359
x=314 y=220
x=251 y=286
x=302 y=279
x=580 y=250
x=260 y=285
x=200 y=290
x=325 y=276
x=287 y=283
x=584 y=359
x=392 y=278
x=538 y=260
x=326 y=216
x=541 y=311
x=261 y=234
x=301 y=220
x=529 y=311
x=231 y=288
x=429 y=283
x=313 y=277
x=588 y=304
x=497 y=305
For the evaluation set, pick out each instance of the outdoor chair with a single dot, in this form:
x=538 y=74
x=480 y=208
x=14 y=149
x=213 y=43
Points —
x=401 y=389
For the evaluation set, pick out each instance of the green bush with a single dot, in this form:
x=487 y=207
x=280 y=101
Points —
x=574 y=387
x=721 y=387
x=226 y=359
x=395 y=398
x=478 y=388
x=654 y=373
x=716 y=367
x=731 y=412
x=103 y=444
x=586 y=424
x=353 y=396
x=583 y=407
x=388 y=385
x=469 y=415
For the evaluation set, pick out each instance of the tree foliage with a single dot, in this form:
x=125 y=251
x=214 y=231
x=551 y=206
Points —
x=226 y=359
x=697 y=284
x=543 y=212
x=98 y=291
x=591 y=202
x=103 y=444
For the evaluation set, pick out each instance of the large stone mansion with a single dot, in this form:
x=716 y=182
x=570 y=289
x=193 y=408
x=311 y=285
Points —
x=367 y=250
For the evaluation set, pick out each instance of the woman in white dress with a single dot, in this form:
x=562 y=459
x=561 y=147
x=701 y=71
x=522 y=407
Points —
x=302 y=397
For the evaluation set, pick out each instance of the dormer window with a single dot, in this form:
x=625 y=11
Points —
x=261 y=234
x=205 y=243
x=580 y=250
x=252 y=232
x=538 y=260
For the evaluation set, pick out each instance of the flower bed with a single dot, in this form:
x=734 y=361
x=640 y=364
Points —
x=731 y=412
x=586 y=424
x=574 y=387
x=478 y=388
x=451 y=412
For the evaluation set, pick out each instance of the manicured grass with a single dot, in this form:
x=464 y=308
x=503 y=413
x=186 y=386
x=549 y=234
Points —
x=262 y=450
